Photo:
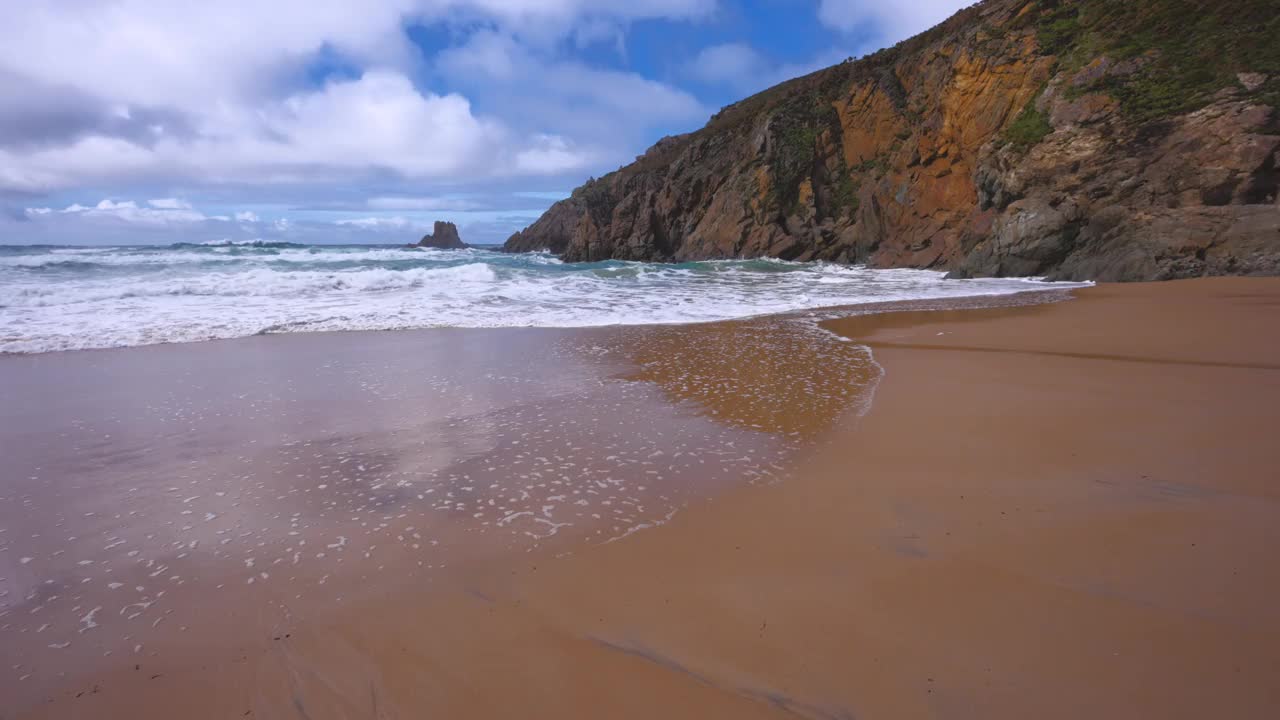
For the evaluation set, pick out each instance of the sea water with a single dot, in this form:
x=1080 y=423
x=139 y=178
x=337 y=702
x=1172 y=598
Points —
x=67 y=298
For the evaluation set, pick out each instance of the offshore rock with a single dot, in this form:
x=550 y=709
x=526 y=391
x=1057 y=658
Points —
x=444 y=236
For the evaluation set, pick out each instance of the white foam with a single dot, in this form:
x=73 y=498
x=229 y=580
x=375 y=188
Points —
x=139 y=296
x=87 y=622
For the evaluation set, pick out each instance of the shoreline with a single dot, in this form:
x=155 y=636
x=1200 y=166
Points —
x=1030 y=295
x=1006 y=515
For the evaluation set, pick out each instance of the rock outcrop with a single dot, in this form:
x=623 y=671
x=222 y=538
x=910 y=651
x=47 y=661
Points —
x=444 y=236
x=1075 y=139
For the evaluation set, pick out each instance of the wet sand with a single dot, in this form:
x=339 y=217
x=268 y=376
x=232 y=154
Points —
x=170 y=506
x=1060 y=510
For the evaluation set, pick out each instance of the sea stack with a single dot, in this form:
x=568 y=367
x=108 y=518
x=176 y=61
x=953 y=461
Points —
x=443 y=237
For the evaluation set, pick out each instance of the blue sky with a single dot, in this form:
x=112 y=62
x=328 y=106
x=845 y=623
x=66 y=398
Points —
x=336 y=121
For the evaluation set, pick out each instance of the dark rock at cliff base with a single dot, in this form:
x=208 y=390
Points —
x=1075 y=139
x=444 y=237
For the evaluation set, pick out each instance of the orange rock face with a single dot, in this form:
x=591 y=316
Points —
x=868 y=124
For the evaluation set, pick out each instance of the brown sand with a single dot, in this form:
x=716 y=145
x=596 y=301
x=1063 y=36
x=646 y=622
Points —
x=1067 y=510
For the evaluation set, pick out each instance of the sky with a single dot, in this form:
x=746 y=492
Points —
x=159 y=121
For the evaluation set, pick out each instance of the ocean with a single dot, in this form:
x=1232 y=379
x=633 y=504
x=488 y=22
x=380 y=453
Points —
x=71 y=298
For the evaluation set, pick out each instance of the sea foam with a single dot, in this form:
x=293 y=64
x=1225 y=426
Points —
x=78 y=298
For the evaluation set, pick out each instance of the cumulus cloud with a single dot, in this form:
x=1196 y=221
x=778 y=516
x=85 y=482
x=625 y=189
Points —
x=169 y=204
x=190 y=55
x=127 y=91
x=37 y=113
x=603 y=108
x=378 y=122
x=127 y=211
x=550 y=154
x=733 y=64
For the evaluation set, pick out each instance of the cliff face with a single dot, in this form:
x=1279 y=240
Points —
x=1085 y=139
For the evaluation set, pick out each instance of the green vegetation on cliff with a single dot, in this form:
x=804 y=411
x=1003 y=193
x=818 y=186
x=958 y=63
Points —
x=795 y=127
x=1030 y=127
x=1183 y=50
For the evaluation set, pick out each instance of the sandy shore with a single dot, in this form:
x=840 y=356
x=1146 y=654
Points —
x=1063 y=510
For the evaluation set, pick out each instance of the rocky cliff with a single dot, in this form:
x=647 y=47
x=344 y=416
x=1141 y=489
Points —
x=444 y=236
x=1078 y=139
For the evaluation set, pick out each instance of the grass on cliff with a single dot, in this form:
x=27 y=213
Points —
x=1189 y=49
x=1028 y=129
x=795 y=126
x=845 y=198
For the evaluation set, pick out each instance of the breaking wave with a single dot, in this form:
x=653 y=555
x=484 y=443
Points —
x=62 y=298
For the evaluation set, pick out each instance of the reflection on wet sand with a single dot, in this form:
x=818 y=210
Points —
x=775 y=375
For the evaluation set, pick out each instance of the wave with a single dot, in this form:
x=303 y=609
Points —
x=91 y=298
x=256 y=282
x=191 y=254
x=238 y=243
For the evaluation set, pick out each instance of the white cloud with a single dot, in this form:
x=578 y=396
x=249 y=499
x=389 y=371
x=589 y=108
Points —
x=730 y=64
x=376 y=222
x=551 y=154
x=377 y=122
x=246 y=216
x=191 y=55
x=169 y=204
x=127 y=211
x=209 y=91
x=207 y=54
x=418 y=203
x=604 y=110
x=890 y=22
